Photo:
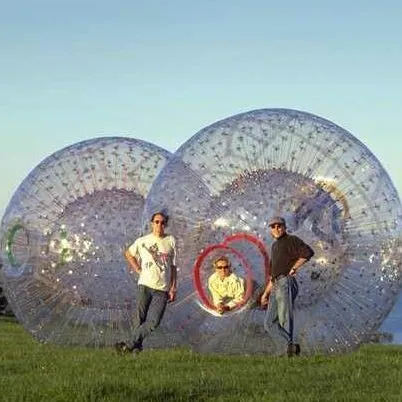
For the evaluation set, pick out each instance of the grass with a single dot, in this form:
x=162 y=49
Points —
x=31 y=371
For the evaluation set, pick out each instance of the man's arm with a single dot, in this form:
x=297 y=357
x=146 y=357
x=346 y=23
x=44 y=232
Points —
x=173 y=283
x=238 y=292
x=304 y=253
x=216 y=297
x=134 y=264
x=266 y=293
x=297 y=265
x=173 y=273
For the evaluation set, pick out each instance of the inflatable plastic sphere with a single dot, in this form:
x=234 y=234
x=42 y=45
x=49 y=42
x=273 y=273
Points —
x=220 y=188
x=63 y=236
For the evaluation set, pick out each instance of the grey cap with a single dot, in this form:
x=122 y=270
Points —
x=276 y=219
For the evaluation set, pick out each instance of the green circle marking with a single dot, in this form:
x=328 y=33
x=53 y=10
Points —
x=9 y=244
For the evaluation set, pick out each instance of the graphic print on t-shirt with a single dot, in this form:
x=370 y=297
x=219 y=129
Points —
x=159 y=258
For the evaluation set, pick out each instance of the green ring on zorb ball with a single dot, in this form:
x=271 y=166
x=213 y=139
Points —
x=9 y=245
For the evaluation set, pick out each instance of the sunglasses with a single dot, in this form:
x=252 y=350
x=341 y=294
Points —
x=276 y=226
x=222 y=267
x=158 y=222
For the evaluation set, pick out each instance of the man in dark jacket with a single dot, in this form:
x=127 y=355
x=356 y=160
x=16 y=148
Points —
x=288 y=254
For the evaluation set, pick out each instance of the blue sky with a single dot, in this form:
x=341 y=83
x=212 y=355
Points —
x=162 y=70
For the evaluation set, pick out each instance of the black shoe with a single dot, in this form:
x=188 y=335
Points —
x=293 y=349
x=122 y=348
x=290 y=350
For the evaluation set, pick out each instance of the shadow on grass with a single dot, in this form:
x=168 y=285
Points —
x=8 y=318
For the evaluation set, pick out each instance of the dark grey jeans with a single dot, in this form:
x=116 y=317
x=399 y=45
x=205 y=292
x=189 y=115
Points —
x=150 y=307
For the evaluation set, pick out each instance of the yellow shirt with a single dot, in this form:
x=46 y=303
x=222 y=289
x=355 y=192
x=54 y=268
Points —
x=229 y=291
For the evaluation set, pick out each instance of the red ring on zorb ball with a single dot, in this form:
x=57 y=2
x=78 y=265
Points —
x=197 y=280
x=260 y=245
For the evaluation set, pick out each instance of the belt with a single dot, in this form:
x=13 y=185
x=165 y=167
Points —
x=278 y=277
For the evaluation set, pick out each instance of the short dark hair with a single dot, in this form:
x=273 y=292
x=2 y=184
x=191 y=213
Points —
x=222 y=258
x=163 y=213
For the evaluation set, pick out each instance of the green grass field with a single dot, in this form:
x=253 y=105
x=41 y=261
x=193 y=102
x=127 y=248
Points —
x=31 y=371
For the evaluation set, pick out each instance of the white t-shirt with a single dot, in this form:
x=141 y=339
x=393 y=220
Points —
x=156 y=255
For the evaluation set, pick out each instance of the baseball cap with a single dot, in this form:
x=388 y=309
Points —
x=276 y=219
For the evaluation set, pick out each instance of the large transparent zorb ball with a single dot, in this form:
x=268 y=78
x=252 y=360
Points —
x=221 y=187
x=63 y=238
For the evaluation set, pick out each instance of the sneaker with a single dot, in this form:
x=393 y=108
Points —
x=122 y=348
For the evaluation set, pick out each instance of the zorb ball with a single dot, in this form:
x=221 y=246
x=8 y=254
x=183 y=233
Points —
x=221 y=187
x=63 y=238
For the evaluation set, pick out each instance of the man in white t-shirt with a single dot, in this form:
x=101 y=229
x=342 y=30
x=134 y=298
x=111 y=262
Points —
x=153 y=257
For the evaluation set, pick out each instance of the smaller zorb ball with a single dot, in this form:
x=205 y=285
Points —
x=63 y=238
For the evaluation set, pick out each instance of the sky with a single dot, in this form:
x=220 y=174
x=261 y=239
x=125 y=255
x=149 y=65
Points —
x=162 y=70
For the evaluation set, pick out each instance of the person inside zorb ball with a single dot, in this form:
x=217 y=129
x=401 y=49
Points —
x=226 y=288
x=221 y=187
